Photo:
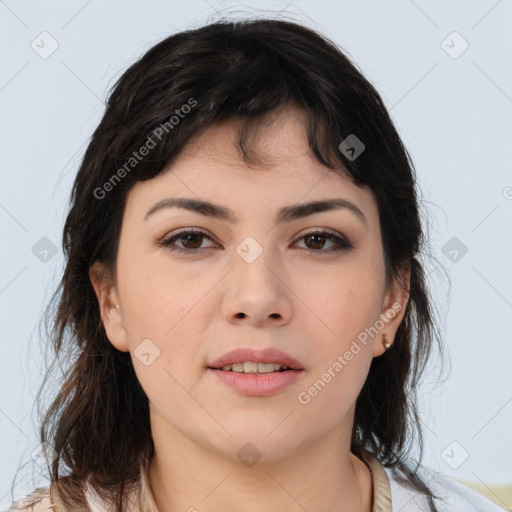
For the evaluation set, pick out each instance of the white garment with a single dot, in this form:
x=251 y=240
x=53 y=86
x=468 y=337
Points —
x=456 y=496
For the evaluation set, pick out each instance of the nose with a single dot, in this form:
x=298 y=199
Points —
x=257 y=293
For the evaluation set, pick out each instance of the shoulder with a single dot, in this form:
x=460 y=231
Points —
x=452 y=496
x=38 y=500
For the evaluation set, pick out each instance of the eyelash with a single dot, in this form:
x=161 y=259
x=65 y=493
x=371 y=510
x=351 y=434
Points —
x=342 y=243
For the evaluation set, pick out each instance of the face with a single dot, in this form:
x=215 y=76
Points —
x=308 y=285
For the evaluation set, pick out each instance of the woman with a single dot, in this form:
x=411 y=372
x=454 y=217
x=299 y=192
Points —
x=243 y=304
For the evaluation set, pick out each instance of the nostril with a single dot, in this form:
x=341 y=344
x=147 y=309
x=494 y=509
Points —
x=240 y=315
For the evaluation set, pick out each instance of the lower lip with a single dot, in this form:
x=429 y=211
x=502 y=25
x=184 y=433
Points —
x=263 y=384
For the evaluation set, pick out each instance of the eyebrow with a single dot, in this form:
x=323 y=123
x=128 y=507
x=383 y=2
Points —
x=285 y=214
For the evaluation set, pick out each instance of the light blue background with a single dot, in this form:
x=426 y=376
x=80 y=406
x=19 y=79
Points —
x=454 y=116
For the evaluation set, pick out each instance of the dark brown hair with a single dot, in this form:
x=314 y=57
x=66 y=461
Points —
x=98 y=423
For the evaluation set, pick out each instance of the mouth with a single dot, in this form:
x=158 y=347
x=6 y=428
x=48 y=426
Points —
x=255 y=373
x=254 y=368
x=250 y=361
x=274 y=378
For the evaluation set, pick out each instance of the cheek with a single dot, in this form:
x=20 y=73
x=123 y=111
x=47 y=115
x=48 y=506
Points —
x=162 y=320
x=177 y=367
x=158 y=296
x=341 y=305
x=336 y=381
x=328 y=401
x=350 y=305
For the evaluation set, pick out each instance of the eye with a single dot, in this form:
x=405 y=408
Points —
x=315 y=242
x=192 y=239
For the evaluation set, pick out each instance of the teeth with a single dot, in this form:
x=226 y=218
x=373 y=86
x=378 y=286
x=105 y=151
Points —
x=261 y=367
x=252 y=367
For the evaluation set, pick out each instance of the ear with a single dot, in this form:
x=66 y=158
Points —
x=393 y=310
x=106 y=293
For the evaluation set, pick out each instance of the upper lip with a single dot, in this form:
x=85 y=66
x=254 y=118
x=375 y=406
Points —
x=268 y=355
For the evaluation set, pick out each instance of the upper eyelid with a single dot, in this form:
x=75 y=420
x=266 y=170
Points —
x=199 y=231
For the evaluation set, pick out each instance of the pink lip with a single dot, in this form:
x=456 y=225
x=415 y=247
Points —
x=258 y=384
x=268 y=355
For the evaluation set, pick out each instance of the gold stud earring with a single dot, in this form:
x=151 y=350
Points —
x=386 y=344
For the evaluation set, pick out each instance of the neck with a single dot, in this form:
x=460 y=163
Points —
x=187 y=476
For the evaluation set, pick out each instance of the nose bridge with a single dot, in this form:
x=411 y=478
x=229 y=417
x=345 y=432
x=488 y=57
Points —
x=250 y=250
x=254 y=263
x=255 y=288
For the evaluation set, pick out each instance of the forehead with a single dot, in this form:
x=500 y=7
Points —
x=275 y=149
x=270 y=141
x=279 y=169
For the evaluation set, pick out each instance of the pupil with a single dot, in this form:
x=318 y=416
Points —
x=317 y=245
x=191 y=236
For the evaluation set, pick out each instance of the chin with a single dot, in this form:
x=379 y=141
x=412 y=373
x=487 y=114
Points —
x=265 y=444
